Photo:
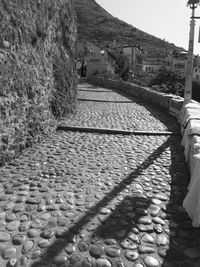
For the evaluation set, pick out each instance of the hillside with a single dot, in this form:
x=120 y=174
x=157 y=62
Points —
x=96 y=25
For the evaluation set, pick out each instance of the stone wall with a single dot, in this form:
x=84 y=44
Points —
x=37 y=70
x=168 y=102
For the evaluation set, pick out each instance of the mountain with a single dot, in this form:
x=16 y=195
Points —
x=97 y=26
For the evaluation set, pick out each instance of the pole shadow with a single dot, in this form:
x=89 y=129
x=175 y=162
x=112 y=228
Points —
x=67 y=236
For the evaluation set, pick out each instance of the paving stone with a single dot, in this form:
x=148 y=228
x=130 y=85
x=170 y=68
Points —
x=96 y=251
x=104 y=211
x=112 y=251
x=110 y=241
x=24 y=226
x=18 y=239
x=32 y=233
x=133 y=237
x=87 y=262
x=4 y=236
x=9 y=253
x=70 y=249
x=47 y=234
x=75 y=258
x=27 y=246
x=23 y=218
x=2 y=214
x=36 y=254
x=146 y=249
x=120 y=264
x=161 y=197
x=36 y=224
x=41 y=207
x=11 y=226
x=83 y=246
x=154 y=210
x=10 y=217
x=128 y=244
x=60 y=260
x=141 y=212
x=148 y=238
x=103 y=263
x=45 y=216
x=131 y=255
x=33 y=201
x=18 y=208
x=162 y=240
x=44 y=243
x=151 y=261
x=158 y=220
x=138 y=265
x=145 y=220
x=145 y=228
x=162 y=252
x=156 y=201
x=158 y=228
x=11 y=262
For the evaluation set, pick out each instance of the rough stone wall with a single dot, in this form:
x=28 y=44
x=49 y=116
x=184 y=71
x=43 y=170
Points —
x=37 y=70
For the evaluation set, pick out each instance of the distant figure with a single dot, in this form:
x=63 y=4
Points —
x=83 y=69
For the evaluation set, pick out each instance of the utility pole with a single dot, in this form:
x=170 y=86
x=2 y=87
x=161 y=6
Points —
x=189 y=69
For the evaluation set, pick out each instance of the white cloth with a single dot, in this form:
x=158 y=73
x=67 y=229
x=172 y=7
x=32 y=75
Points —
x=190 y=126
x=192 y=201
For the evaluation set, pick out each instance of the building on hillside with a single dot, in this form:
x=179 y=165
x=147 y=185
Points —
x=179 y=63
x=99 y=62
x=94 y=60
x=196 y=72
x=132 y=53
x=154 y=64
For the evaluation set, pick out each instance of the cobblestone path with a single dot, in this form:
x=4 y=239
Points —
x=99 y=200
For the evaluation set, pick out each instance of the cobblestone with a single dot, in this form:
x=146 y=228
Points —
x=127 y=114
x=88 y=200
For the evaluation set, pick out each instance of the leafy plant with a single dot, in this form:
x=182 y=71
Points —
x=168 y=78
x=196 y=91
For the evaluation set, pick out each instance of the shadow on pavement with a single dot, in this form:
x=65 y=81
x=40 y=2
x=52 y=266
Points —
x=67 y=236
x=181 y=249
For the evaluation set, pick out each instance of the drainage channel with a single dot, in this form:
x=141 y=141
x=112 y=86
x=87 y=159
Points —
x=113 y=131
x=105 y=101
x=97 y=91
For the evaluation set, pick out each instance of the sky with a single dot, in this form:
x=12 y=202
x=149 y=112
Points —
x=169 y=20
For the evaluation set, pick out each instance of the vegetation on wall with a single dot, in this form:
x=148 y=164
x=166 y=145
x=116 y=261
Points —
x=37 y=41
x=169 y=81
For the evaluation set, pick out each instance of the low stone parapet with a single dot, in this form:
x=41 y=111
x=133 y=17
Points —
x=171 y=103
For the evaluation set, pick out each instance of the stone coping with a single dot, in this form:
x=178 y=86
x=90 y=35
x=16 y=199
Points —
x=189 y=120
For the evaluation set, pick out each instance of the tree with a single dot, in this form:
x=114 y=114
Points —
x=169 y=78
x=122 y=67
